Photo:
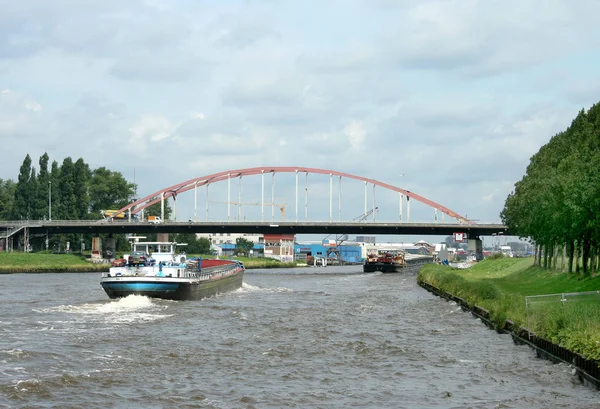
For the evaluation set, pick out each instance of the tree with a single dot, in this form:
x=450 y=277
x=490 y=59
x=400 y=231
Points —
x=54 y=189
x=7 y=194
x=194 y=245
x=32 y=212
x=204 y=245
x=557 y=201
x=41 y=194
x=243 y=246
x=21 y=208
x=155 y=209
x=81 y=176
x=108 y=190
x=66 y=189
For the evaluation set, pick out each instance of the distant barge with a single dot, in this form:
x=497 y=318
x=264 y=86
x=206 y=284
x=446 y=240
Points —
x=394 y=262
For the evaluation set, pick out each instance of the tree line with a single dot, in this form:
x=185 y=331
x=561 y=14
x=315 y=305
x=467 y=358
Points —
x=71 y=190
x=67 y=191
x=557 y=202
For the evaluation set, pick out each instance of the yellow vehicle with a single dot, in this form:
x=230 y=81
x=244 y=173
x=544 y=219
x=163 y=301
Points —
x=108 y=214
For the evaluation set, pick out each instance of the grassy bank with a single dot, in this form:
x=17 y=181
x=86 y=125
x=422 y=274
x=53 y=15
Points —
x=252 y=263
x=45 y=263
x=500 y=287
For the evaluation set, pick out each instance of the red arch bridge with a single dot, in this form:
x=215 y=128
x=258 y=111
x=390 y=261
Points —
x=231 y=185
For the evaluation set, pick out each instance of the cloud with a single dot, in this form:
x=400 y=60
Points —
x=455 y=94
x=357 y=134
x=481 y=38
x=246 y=34
x=159 y=67
x=451 y=114
x=19 y=114
x=270 y=94
x=149 y=129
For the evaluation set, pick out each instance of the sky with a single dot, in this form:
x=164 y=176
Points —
x=448 y=99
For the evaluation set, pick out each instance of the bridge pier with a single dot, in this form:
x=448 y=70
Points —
x=96 y=248
x=111 y=248
x=476 y=245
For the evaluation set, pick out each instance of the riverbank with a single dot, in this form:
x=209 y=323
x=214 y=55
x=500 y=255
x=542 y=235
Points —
x=47 y=263
x=70 y=263
x=495 y=290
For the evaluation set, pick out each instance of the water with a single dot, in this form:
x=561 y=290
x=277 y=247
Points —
x=288 y=339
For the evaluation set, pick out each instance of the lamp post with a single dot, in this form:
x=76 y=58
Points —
x=50 y=200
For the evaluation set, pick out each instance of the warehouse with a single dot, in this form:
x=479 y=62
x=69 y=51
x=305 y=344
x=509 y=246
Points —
x=347 y=253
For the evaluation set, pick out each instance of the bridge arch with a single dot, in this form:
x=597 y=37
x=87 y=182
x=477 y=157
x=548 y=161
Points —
x=174 y=190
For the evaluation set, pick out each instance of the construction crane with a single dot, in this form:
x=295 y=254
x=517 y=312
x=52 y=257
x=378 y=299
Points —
x=363 y=217
x=341 y=238
x=280 y=205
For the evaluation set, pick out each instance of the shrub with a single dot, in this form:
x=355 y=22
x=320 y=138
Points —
x=485 y=290
x=496 y=256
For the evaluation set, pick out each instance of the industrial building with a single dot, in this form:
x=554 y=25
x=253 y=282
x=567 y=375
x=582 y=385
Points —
x=280 y=246
x=347 y=253
x=284 y=247
x=228 y=249
x=230 y=238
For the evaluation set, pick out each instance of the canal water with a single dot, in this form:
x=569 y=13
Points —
x=302 y=338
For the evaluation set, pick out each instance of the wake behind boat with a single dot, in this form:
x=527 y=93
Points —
x=156 y=269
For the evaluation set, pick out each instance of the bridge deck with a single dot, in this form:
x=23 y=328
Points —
x=103 y=226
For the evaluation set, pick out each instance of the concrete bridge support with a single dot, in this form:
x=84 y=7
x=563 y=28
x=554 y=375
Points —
x=476 y=245
x=111 y=248
x=96 y=248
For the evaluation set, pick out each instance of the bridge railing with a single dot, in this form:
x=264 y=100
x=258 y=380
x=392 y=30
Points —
x=41 y=223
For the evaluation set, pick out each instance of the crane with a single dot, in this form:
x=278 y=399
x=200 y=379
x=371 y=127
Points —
x=280 y=205
x=341 y=238
x=363 y=217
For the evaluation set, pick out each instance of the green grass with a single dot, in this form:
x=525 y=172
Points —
x=263 y=262
x=45 y=263
x=500 y=287
x=520 y=276
x=41 y=263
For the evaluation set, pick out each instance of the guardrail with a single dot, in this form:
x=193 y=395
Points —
x=232 y=226
x=536 y=306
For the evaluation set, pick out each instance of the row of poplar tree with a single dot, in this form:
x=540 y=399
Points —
x=74 y=191
x=66 y=191
x=557 y=202
x=71 y=190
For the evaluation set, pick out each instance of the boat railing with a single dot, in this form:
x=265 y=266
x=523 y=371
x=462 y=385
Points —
x=204 y=273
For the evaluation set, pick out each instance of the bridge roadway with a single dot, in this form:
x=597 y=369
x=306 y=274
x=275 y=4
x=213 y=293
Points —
x=323 y=227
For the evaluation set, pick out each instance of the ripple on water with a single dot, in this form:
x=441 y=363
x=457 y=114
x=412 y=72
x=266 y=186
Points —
x=282 y=340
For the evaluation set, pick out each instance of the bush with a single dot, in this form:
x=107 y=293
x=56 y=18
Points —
x=496 y=256
x=485 y=290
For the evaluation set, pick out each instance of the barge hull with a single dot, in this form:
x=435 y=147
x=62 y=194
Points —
x=384 y=268
x=173 y=291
